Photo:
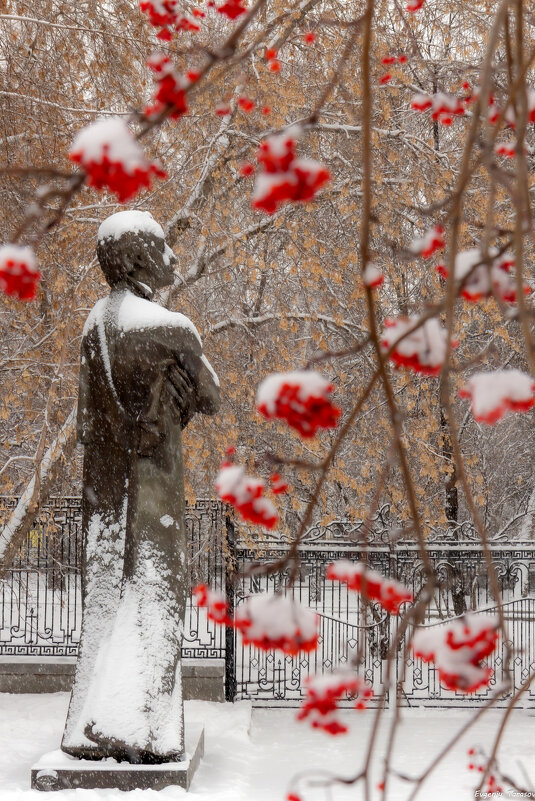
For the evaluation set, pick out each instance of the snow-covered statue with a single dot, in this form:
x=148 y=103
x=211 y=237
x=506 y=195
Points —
x=143 y=375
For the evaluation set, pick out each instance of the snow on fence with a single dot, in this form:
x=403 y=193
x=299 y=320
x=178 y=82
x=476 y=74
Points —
x=40 y=601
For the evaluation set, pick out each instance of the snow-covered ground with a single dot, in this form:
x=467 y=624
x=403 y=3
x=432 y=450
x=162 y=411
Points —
x=251 y=755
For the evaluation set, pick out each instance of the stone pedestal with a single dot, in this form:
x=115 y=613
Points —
x=59 y=771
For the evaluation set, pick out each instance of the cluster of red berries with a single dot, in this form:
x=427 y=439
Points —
x=372 y=276
x=458 y=650
x=390 y=594
x=246 y=494
x=231 y=8
x=274 y=64
x=432 y=240
x=110 y=174
x=387 y=61
x=423 y=350
x=171 y=87
x=19 y=275
x=268 y=622
x=214 y=602
x=497 y=393
x=301 y=399
x=479 y=280
x=161 y=13
x=323 y=692
x=277 y=484
x=414 y=5
x=477 y=762
x=284 y=178
x=113 y=159
x=277 y=622
x=510 y=117
x=444 y=107
x=506 y=150
x=165 y=14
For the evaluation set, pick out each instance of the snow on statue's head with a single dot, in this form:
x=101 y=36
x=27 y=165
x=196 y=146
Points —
x=132 y=244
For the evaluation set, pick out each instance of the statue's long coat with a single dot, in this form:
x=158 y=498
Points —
x=127 y=696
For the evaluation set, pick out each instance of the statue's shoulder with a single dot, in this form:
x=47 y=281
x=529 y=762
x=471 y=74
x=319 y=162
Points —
x=137 y=314
x=95 y=316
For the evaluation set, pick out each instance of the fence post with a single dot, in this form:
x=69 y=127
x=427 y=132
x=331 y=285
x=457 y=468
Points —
x=231 y=567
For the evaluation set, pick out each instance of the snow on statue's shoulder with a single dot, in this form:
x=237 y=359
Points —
x=138 y=314
x=131 y=221
x=95 y=316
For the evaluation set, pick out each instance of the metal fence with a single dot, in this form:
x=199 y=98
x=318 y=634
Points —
x=40 y=602
x=41 y=598
x=271 y=678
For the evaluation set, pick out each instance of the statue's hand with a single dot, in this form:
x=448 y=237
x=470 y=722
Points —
x=182 y=391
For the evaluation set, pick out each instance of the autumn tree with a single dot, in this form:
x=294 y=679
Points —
x=318 y=161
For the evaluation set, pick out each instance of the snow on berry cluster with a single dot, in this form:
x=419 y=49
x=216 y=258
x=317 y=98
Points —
x=19 y=275
x=301 y=398
x=390 y=594
x=423 y=350
x=432 y=240
x=284 y=177
x=506 y=149
x=265 y=620
x=112 y=159
x=479 y=280
x=165 y=14
x=323 y=692
x=495 y=394
x=245 y=493
x=171 y=87
x=372 y=276
x=510 y=117
x=458 y=649
x=414 y=5
x=214 y=602
x=277 y=621
x=277 y=484
x=161 y=13
x=444 y=107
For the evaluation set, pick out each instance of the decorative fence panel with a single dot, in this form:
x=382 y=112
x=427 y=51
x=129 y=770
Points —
x=271 y=679
x=40 y=600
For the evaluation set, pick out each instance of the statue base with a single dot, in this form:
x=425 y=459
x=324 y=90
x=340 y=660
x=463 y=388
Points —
x=59 y=771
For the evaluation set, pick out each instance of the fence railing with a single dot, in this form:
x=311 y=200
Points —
x=40 y=599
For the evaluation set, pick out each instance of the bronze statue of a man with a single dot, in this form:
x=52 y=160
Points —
x=143 y=375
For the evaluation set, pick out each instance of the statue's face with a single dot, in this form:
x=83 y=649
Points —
x=148 y=258
x=158 y=265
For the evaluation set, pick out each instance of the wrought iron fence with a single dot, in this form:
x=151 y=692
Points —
x=463 y=585
x=40 y=602
x=40 y=598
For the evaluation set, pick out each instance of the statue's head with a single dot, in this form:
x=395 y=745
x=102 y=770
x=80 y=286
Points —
x=131 y=244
